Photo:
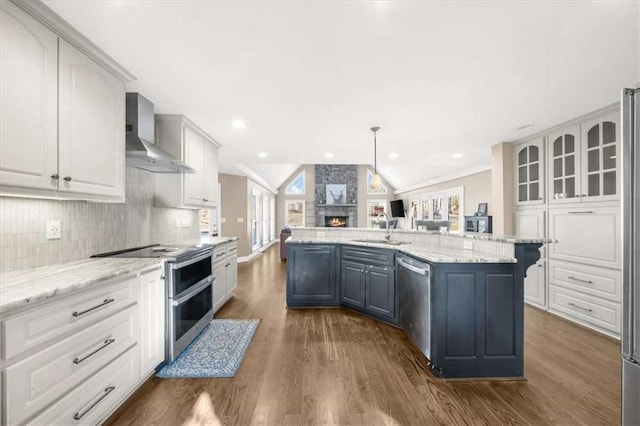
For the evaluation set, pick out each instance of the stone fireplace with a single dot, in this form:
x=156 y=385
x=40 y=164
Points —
x=336 y=195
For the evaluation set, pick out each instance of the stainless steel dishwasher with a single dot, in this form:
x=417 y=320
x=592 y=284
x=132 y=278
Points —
x=414 y=287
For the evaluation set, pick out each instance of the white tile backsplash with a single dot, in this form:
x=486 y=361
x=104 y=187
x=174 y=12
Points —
x=88 y=228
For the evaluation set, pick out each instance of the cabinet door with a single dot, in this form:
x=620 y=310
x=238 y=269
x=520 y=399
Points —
x=529 y=172
x=219 y=285
x=381 y=291
x=91 y=143
x=600 y=171
x=586 y=235
x=152 y=306
x=352 y=284
x=29 y=101
x=232 y=276
x=210 y=174
x=312 y=275
x=564 y=166
x=193 y=156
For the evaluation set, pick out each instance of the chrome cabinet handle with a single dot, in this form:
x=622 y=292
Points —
x=205 y=200
x=219 y=254
x=580 y=307
x=105 y=392
x=106 y=343
x=105 y=302
x=67 y=178
x=583 y=212
x=55 y=176
x=581 y=280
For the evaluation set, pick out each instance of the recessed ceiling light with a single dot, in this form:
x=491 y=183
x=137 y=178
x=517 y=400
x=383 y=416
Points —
x=525 y=126
x=238 y=124
x=328 y=155
x=262 y=154
x=456 y=156
x=393 y=155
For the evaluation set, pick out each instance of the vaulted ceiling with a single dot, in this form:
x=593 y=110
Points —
x=308 y=78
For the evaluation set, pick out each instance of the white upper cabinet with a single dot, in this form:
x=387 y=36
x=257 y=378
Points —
x=583 y=164
x=28 y=104
x=600 y=170
x=529 y=172
x=61 y=110
x=184 y=140
x=91 y=148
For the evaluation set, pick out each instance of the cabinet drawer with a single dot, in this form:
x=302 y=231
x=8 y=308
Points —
x=369 y=256
x=601 y=313
x=599 y=282
x=93 y=400
x=589 y=235
x=41 y=378
x=57 y=319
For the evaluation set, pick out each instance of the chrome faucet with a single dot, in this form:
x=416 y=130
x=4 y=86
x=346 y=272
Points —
x=387 y=236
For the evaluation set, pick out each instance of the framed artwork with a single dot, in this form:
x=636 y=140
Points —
x=336 y=194
x=374 y=208
x=294 y=213
x=482 y=209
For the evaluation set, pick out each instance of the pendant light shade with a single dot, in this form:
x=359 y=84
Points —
x=375 y=182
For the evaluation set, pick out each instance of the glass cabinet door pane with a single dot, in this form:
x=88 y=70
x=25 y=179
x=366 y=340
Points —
x=609 y=157
x=570 y=188
x=533 y=172
x=594 y=184
x=522 y=192
x=522 y=156
x=593 y=136
x=533 y=154
x=593 y=160
x=557 y=186
x=557 y=167
x=534 y=191
x=522 y=174
x=569 y=144
x=569 y=165
x=608 y=132
x=557 y=147
x=609 y=183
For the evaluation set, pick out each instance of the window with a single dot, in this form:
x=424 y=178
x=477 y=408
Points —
x=272 y=212
x=444 y=205
x=379 y=190
x=374 y=208
x=294 y=213
x=297 y=186
x=255 y=243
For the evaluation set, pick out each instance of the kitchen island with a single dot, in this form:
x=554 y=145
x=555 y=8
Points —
x=463 y=308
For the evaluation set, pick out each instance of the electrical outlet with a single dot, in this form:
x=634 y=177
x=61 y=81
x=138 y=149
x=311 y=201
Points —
x=178 y=222
x=320 y=234
x=241 y=220
x=467 y=245
x=223 y=220
x=53 y=230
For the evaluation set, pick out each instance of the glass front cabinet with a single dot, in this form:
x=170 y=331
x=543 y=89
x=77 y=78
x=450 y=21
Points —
x=529 y=172
x=583 y=164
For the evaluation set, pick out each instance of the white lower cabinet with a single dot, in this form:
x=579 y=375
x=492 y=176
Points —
x=74 y=359
x=225 y=272
x=535 y=289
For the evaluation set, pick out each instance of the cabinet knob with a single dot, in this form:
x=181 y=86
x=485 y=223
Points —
x=205 y=200
x=55 y=176
x=67 y=178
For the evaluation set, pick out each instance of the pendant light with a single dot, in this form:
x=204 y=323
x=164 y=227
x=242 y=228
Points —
x=375 y=182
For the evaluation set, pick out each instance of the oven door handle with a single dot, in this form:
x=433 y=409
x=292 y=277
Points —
x=197 y=288
x=191 y=261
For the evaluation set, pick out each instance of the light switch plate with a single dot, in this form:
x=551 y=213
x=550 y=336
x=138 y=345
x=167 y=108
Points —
x=320 y=234
x=241 y=220
x=223 y=220
x=53 y=230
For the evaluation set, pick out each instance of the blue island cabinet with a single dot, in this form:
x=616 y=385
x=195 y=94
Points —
x=312 y=275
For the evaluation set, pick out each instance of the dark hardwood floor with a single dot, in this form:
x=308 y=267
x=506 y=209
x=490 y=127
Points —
x=331 y=366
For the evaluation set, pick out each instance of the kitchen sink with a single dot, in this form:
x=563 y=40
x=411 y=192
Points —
x=387 y=242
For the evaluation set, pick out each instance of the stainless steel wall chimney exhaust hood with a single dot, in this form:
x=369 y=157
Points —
x=142 y=152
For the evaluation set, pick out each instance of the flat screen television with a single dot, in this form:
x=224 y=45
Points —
x=397 y=208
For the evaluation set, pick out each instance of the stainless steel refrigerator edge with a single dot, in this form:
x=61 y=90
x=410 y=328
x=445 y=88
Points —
x=630 y=161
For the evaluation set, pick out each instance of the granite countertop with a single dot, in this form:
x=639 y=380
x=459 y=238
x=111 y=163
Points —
x=217 y=240
x=428 y=252
x=21 y=288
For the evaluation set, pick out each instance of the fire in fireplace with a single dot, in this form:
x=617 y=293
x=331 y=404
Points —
x=336 y=221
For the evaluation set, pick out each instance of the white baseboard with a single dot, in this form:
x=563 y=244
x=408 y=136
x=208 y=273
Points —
x=258 y=251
